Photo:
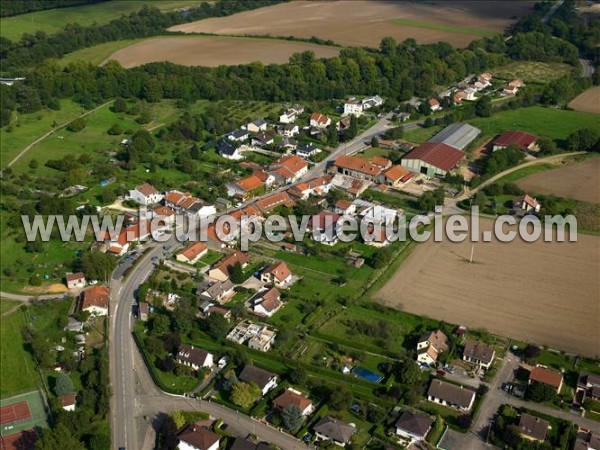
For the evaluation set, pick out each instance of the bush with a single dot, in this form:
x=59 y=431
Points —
x=77 y=125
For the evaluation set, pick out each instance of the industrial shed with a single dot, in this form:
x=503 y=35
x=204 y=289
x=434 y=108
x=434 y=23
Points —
x=457 y=135
x=433 y=159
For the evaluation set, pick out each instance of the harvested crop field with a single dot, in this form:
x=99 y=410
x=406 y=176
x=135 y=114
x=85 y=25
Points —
x=588 y=101
x=578 y=181
x=212 y=51
x=545 y=293
x=365 y=23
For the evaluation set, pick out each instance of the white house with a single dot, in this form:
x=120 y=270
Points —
x=95 y=300
x=195 y=437
x=228 y=151
x=307 y=150
x=75 y=280
x=289 y=130
x=353 y=107
x=413 y=427
x=193 y=357
x=145 y=194
x=266 y=302
x=434 y=104
x=265 y=380
x=193 y=253
x=256 y=126
x=319 y=120
x=450 y=395
x=288 y=116
x=371 y=102
x=430 y=345
x=238 y=135
x=278 y=274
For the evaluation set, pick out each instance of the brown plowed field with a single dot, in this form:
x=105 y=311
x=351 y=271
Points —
x=588 y=101
x=580 y=181
x=545 y=293
x=365 y=23
x=212 y=51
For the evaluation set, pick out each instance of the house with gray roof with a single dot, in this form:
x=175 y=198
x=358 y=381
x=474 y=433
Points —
x=330 y=429
x=457 y=135
x=451 y=395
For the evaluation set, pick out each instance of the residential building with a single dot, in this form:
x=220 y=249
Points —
x=527 y=203
x=457 y=135
x=262 y=140
x=533 y=428
x=194 y=358
x=353 y=107
x=256 y=126
x=228 y=151
x=269 y=203
x=344 y=208
x=220 y=270
x=263 y=341
x=289 y=168
x=324 y=227
x=371 y=102
x=307 y=150
x=143 y=311
x=587 y=440
x=357 y=167
x=413 y=426
x=95 y=300
x=74 y=325
x=238 y=135
x=194 y=437
x=192 y=253
x=479 y=354
x=245 y=187
x=278 y=274
x=381 y=162
x=68 y=401
x=259 y=337
x=524 y=141
x=330 y=429
x=289 y=130
x=549 y=377
x=265 y=380
x=165 y=214
x=220 y=292
x=75 y=280
x=396 y=176
x=588 y=386
x=318 y=187
x=319 y=120
x=513 y=87
x=433 y=159
x=186 y=203
x=350 y=185
x=288 y=144
x=450 y=395
x=292 y=397
x=145 y=194
x=430 y=345
x=459 y=97
x=434 y=104
x=266 y=302
x=374 y=213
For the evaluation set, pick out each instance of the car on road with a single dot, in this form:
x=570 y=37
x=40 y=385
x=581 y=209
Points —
x=154 y=258
x=440 y=373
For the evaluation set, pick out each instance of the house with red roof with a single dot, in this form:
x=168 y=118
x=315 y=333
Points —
x=245 y=187
x=145 y=194
x=324 y=227
x=95 y=300
x=220 y=270
x=433 y=159
x=547 y=376
x=292 y=397
x=524 y=141
x=527 y=203
x=75 y=280
x=319 y=120
x=434 y=104
x=273 y=201
x=266 y=302
x=356 y=167
x=192 y=253
x=278 y=274
x=396 y=176
x=288 y=169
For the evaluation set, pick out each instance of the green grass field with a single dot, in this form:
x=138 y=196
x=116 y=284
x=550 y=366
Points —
x=549 y=122
x=96 y=54
x=53 y=20
x=533 y=71
x=17 y=368
x=36 y=402
x=420 y=134
x=7 y=305
x=442 y=27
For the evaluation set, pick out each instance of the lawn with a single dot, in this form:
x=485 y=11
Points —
x=549 y=122
x=533 y=71
x=97 y=53
x=374 y=151
x=443 y=27
x=53 y=20
x=7 y=305
x=17 y=368
x=521 y=173
x=420 y=134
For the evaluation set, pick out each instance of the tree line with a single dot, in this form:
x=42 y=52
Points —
x=14 y=8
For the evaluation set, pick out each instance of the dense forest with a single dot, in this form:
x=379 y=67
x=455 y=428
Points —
x=15 y=7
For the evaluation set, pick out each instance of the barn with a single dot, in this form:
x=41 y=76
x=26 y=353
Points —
x=433 y=159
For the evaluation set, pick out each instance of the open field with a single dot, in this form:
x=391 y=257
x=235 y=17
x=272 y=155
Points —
x=588 y=101
x=53 y=20
x=97 y=53
x=366 y=23
x=533 y=71
x=578 y=181
x=549 y=122
x=536 y=292
x=212 y=51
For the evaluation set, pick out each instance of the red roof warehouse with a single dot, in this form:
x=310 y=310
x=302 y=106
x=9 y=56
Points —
x=522 y=140
x=441 y=157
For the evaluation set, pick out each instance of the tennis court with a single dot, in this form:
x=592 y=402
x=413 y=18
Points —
x=22 y=412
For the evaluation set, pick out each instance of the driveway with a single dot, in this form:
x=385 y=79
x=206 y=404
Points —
x=453 y=440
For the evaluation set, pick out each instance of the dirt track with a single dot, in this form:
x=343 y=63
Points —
x=365 y=23
x=546 y=293
x=588 y=101
x=212 y=51
x=578 y=181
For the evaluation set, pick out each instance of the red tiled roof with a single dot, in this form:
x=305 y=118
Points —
x=358 y=165
x=396 y=173
x=289 y=398
x=68 y=400
x=175 y=196
x=230 y=260
x=320 y=220
x=293 y=163
x=547 y=376
x=343 y=204
x=381 y=162
x=433 y=102
x=279 y=270
x=75 y=276
x=192 y=251
x=522 y=140
x=275 y=200
x=163 y=211
x=437 y=154
x=146 y=189
x=95 y=296
x=319 y=118
x=250 y=183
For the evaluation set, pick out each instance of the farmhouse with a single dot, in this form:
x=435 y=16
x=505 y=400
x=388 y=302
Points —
x=193 y=253
x=479 y=354
x=95 y=300
x=430 y=345
x=145 y=194
x=533 y=428
x=228 y=151
x=413 y=426
x=273 y=201
x=194 y=437
x=278 y=274
x=457 y=135
x=245 y=187
x=544 y=375
x=263 y=379
x=289 y=168
x=357 y=168
x=450 y=395
x=220 y=271
x=527 y=203
x=291 y=397
x=396 y=176
x=434 y=104
x=266 y=302
x=319 y=120
x=75 y=280
x=524 y=141
x=433 y=159
x=193 y=357
x=307 y=150
x=330 y=429
x=256 y=126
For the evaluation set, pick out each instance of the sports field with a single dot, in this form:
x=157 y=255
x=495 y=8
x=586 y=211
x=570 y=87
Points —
x=538 y=292
x=588 y=101
x=212 y=51
x=365 y=23
x=22 y=412
x=53 y=20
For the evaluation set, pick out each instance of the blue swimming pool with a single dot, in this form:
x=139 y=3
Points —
x=365 y=374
